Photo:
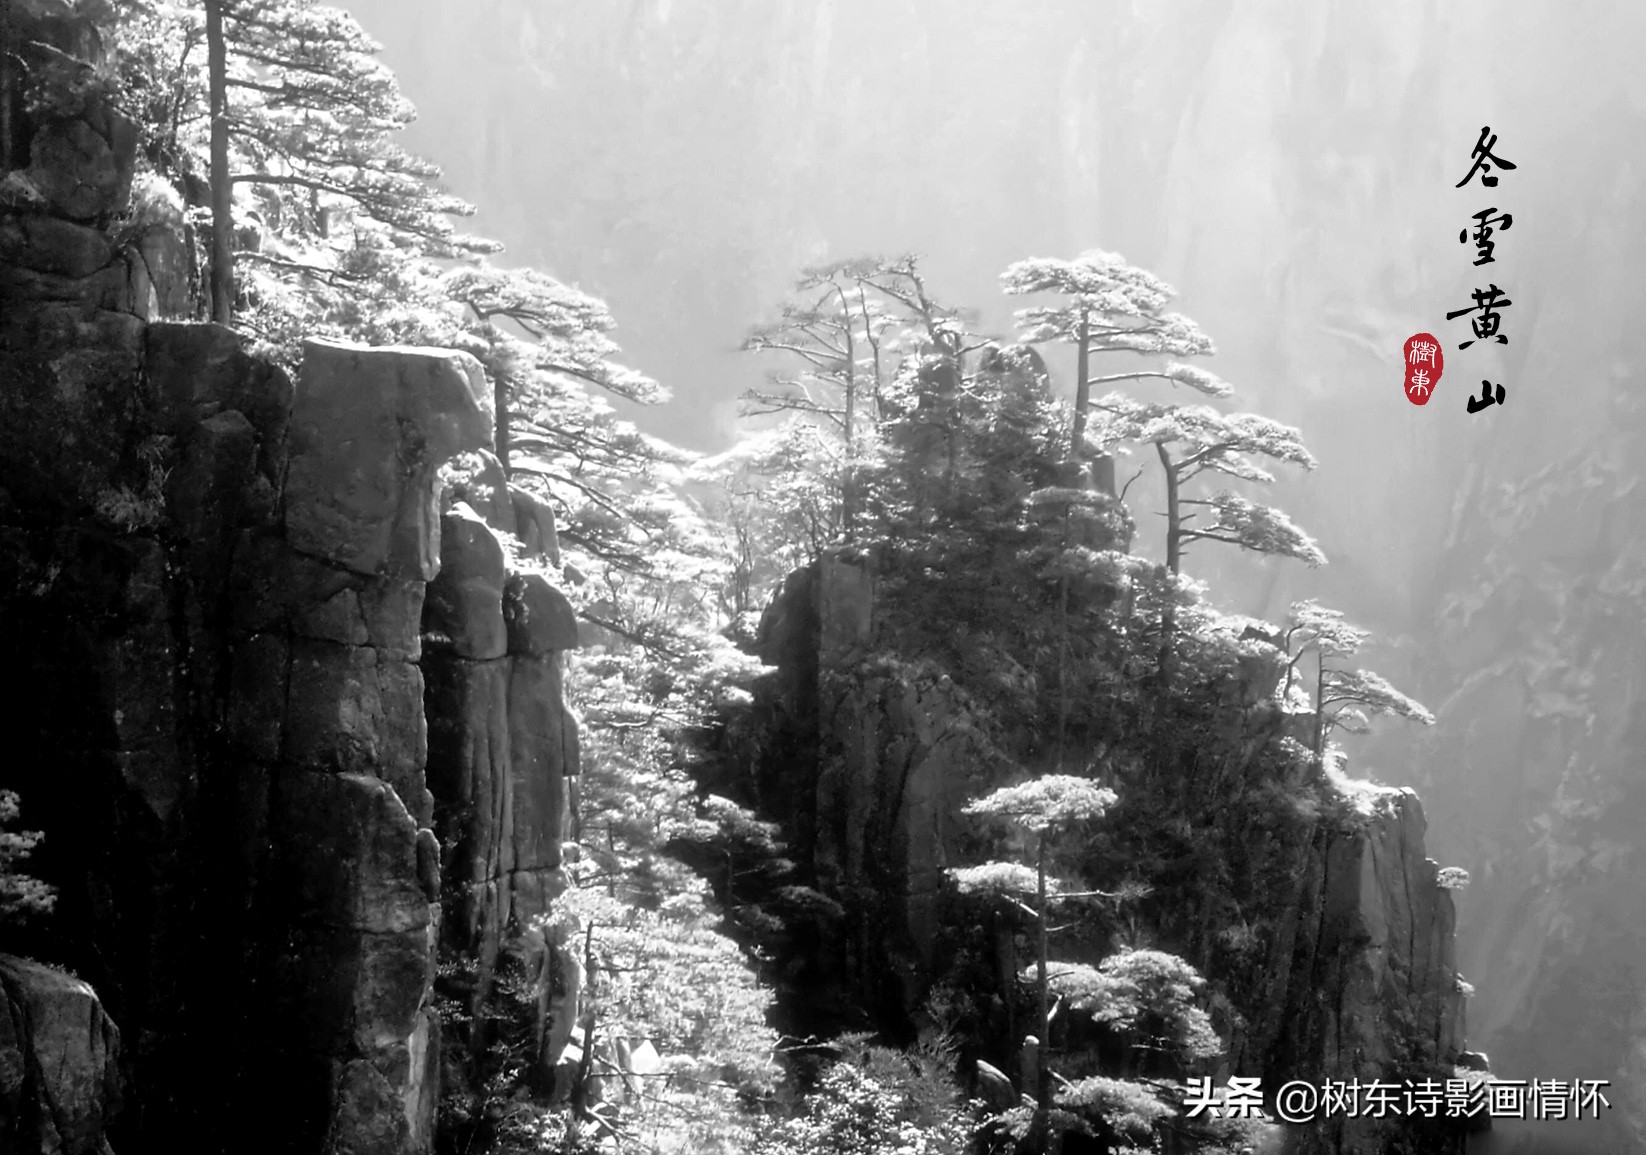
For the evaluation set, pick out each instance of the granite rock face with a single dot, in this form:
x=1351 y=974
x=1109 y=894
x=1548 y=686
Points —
x=1366 y=979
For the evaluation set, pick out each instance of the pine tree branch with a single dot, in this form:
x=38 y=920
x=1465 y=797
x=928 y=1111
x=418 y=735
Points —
x=271 y=89
x=769 y=403
x=591 y=493
x=331 y=277
x=1208 y=535
x=1128 y=484
x=812 y=355
x=1141 y=373
x=640 y=640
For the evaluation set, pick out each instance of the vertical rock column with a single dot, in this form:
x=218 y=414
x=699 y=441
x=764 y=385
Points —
x=503 y=745
x=325 y=709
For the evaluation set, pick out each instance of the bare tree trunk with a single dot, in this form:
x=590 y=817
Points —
x=848 y=481
x=874 y=345
x=951 y=414
x=1063 y=652
x=1320 y=707
x=1008 y=933
x=1174 y=516
x=1062 y=668
x=1103 y=463
x=500 y=432
x=1042 y=1117
x=222 y=215
x=1082 y=387
x=1174 y=563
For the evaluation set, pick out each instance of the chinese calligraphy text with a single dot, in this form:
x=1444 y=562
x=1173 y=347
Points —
x=1490 y=301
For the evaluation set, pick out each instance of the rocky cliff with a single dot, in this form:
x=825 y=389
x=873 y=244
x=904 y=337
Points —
x=264 y=661
x=868 y=770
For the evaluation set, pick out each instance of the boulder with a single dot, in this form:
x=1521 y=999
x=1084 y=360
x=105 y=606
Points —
x=994 y=1088
x=485 y=489
x=83 y=166
x=46 y=244
x=534 y=525
x=59 y=1063
x=540 y=619
x=464 y=603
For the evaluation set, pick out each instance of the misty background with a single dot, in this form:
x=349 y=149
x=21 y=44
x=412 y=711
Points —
x=1290 y=169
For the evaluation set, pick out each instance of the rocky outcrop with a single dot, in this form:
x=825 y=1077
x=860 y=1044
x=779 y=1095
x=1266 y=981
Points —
x=59 y=1069
x=1365 y=976
x=866 y=762
x=221 y=579
x=866 y=771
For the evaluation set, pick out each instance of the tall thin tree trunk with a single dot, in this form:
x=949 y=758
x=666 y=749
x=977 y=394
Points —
x=874 y=347
x=951 y=414
x=848 y=487
x=1063 y=653
x=1174 y=517
x=1012 y=972
x=1082 y=387
x=1103 y=463
x=500 y=434
x=1062 y=668
x=222 y=215
x=1320 y=707
x=1043 y=1092
x=1174 y=564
